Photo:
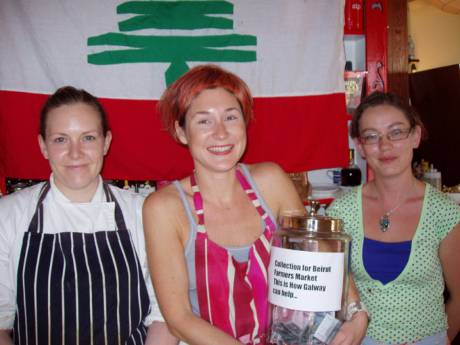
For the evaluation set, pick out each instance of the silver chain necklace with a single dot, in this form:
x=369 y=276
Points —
x=384 y=221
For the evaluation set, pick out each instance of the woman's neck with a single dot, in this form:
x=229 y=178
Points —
x=217 y=187
x=397 y=187
x=82 y=195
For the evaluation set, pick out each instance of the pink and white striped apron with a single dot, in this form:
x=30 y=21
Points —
x=233 y=295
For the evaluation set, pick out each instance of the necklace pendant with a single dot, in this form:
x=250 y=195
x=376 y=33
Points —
x=384 y=223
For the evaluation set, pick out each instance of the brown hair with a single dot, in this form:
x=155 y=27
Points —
x=68 y=95
x=177 y=98
x=385 y=98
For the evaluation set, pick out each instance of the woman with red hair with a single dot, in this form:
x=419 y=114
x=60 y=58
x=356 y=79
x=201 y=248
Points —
x=208 y=235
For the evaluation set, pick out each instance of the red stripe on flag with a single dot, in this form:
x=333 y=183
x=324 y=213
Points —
x=299 y=133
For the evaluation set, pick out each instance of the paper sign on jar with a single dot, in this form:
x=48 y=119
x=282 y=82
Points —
x=309 y=281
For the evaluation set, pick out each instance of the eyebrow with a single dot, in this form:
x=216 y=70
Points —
x=206 y=112
x=398 y=123
x=98 y=131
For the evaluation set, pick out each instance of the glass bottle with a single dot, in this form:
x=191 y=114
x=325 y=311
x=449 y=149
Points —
x=351 y=175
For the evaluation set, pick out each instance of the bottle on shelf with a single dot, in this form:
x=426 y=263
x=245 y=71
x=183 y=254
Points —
x=351 y=175
x=433 y=177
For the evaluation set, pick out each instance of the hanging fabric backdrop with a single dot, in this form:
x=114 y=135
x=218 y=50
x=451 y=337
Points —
x=289 y=52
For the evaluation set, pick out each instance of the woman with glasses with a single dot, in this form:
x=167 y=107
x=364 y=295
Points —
x=406 y=233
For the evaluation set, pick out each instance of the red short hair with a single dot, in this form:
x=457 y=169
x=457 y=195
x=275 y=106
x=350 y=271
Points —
x=176 y=99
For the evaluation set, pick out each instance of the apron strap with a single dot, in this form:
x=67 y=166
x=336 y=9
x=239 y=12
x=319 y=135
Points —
x=198 y=201
x=255 y=200
x=231 y=295
x=36 y=224
x=119 y=219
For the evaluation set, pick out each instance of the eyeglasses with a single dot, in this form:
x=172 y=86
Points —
x=372 y=138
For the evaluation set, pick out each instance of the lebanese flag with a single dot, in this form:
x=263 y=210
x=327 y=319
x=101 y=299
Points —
x=289 y=52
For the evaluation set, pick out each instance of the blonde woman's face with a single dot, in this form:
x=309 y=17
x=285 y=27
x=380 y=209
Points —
x=75 y=146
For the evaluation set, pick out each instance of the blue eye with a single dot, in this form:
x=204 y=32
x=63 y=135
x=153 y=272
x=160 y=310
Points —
x=203 y=121
x=89 y=138
x=398 y=133
x=231 y=117
x=59 y=140
x=370 y=138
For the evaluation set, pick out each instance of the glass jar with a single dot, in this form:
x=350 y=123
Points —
x=308 y=279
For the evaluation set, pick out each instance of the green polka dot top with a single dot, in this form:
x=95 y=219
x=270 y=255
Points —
x=411 y=306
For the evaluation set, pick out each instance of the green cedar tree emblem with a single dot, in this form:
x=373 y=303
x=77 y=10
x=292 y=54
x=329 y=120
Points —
x=176 y=50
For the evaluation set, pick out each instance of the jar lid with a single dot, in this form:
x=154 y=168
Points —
x=312 y=222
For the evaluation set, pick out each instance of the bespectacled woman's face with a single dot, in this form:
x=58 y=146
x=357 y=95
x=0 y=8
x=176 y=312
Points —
x=75 y=148
x=386 y=140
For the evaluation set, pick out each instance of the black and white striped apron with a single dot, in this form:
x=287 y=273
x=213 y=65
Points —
x=79 y=288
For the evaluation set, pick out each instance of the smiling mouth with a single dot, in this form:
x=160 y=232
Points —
x=387 y=159
x=220 y=149
x=75 y=166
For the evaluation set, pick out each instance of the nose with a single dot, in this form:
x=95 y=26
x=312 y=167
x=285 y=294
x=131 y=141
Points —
x=74 y=149
x=220 y=131
x=384 y=141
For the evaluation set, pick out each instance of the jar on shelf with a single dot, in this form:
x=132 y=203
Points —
x=308 y=279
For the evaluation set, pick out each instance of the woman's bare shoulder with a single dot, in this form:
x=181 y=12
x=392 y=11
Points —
x=266 y=171
x=268 y=175
x=163 y=201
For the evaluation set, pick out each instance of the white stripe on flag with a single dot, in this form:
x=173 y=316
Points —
x=292 y=39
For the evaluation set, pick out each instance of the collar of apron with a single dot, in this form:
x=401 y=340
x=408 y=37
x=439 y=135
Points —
x=198 y=200
x=36 y=224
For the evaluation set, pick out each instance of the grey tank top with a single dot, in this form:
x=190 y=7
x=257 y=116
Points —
x=241 y=254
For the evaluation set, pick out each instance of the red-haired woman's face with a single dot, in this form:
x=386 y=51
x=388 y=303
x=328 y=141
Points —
x=215 y=130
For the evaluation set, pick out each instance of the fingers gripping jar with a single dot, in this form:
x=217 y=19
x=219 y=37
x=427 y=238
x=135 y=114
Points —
x=308 y=279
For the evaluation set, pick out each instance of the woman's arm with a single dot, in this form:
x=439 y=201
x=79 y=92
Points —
x=352 y=331
x=12 y=226
x=5 y=338
x=164 y=234
x=450 y=261
x=158 y=334
x=277 y=189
